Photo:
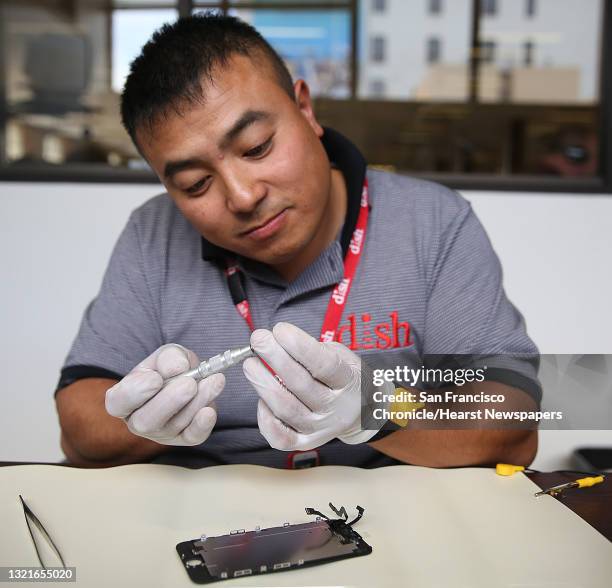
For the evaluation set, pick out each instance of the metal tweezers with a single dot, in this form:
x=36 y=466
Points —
x=30 y=516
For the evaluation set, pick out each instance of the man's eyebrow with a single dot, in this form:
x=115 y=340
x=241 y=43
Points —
x=248 y=118
x=173 y=167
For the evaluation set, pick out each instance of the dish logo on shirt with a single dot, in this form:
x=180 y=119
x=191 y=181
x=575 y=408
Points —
x=360 y=333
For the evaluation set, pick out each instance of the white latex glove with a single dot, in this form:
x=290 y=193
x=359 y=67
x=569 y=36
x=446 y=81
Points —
x=180 y=413
x=321 y=396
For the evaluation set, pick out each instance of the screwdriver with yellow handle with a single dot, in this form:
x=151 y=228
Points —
x=508 y=469
x=581 y=483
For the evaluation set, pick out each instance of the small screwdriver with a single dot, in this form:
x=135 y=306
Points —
x=581 y=483
x=217 y=364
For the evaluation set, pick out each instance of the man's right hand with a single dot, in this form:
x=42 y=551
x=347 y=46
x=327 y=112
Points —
x=181 y=412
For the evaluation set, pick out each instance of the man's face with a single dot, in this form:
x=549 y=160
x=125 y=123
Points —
x=246 y=166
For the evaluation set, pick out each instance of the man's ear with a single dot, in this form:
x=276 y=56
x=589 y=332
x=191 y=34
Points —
x=304 y=103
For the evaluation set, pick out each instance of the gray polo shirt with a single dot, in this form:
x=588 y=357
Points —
x=428 y=283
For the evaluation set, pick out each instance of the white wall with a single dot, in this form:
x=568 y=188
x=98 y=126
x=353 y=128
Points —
x=55 y=240
x=556 y=253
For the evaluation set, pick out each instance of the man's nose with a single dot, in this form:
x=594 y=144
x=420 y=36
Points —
x=244 y=191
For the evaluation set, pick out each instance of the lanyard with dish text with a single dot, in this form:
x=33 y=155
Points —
x=335 y=307
x=340 y=293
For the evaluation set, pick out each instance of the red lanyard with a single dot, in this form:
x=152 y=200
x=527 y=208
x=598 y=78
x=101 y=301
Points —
x=338 y=297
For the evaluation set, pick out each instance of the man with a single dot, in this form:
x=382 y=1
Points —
x=266 y=216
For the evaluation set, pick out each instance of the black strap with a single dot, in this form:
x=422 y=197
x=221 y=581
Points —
x=388 y=428
x=234 y=282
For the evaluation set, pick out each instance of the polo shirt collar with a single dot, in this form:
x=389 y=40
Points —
x=348 y=159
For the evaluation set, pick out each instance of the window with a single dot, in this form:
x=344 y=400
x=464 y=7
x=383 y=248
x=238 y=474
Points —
x=489 y=7
x=377 y=88
x=528 y=103
x=435 y=6
x=487 y=51
x=131 y=30
x=530 y=8
x=540 y=92
x=377 y=49
x=528 y=53
x=63 y=66
x=63 y=73
x=314 y=43
x=554 y=61
x=433 y=50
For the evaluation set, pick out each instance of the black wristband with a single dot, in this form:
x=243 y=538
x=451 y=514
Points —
x=388 y=428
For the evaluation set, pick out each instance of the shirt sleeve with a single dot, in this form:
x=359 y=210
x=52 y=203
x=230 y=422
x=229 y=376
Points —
x=469 y=319
x=121 y=326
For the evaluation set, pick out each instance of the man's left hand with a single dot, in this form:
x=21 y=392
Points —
x=318 y=397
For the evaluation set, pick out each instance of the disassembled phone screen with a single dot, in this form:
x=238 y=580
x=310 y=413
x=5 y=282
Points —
x=262 y=551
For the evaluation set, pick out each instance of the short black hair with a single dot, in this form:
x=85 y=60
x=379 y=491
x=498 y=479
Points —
x=169 y=70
